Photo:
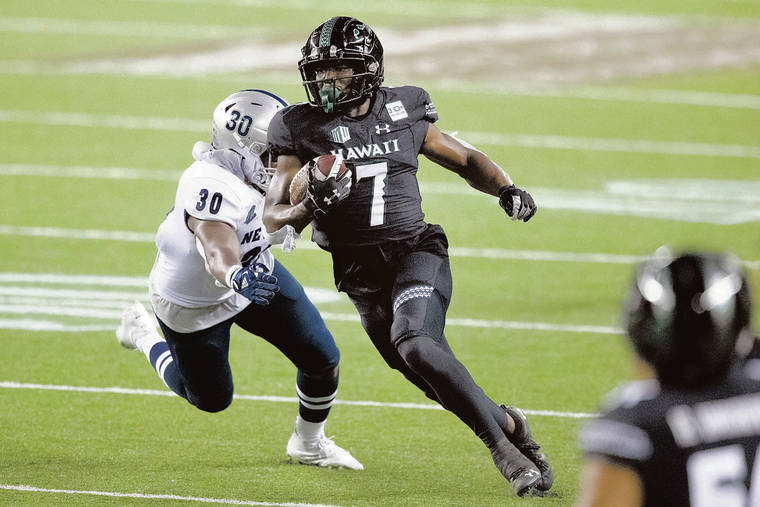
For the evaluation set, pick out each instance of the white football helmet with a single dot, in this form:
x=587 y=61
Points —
x=240 y=124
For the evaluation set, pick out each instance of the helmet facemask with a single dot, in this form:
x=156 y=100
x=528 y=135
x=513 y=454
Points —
x=330 y=93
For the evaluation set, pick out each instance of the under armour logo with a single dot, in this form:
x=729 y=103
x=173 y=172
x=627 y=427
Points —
x=335 y=195
x=384 y=129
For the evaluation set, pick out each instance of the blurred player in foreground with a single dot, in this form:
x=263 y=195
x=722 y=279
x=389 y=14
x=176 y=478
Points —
x=392 y=264
x=214 y=269
x=690 y=436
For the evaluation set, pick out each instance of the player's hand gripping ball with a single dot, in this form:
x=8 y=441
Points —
x=322 y=183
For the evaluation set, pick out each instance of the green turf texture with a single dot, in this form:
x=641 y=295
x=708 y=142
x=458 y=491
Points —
x=161 y=445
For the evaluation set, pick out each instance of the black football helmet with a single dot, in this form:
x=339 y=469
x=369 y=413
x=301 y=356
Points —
x=689 y=316
x=341 y=42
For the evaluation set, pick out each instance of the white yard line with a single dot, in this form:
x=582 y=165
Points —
x=79 y=280
x=113 y=494
x=424 y=8
x=466 y=252
x=612 y=145
x=729 y=202
x=89 y=172
x=274 y=399
x=484 y=138
x=90 y=313
x=122 y=28
x=22 y=298
x=106 y=120
x=94 y=234
x=459 y=86
x=604 y=93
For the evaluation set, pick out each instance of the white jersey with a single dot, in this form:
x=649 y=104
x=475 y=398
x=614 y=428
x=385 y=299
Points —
x=185 y=296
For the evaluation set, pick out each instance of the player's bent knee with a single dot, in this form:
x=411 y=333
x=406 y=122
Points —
x=414 y=349
x=212 y=402
x=330 y=373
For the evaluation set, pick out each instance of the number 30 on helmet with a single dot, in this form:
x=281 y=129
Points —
x=240 y=124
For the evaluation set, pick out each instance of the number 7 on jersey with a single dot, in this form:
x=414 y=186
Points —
x=377 y=172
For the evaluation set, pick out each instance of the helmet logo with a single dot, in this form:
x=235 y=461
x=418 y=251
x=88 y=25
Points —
x=333 y=51
x=372 y=67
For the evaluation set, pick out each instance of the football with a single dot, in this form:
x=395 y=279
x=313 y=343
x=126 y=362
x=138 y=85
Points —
x=329 y=165
x=298 y=186
x=322 y=168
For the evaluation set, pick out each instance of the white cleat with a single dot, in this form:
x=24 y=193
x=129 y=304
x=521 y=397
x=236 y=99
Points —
x=136 y=323
x=322 y=453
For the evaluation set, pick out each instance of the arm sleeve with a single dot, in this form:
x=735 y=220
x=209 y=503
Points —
x=279 y=137
x=617 y=441
x=211 y=199
x=429 y=112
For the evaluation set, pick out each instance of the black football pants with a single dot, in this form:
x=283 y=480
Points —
x=406 y=325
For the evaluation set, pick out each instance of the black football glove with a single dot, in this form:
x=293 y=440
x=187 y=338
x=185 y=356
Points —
x=517 y=203
x=324 y=195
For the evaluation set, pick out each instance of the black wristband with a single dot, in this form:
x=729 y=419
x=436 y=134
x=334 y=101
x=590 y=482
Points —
x=505 y=188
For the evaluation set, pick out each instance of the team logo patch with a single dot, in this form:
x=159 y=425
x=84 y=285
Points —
x=251 y=214
x=340 y=134
x=396 y=110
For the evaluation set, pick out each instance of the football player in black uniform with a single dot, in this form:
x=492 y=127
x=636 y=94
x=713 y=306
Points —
x=691 y=436
x=393 y=265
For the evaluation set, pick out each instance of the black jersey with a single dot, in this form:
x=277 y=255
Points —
x=689 y=447
x=381 y=148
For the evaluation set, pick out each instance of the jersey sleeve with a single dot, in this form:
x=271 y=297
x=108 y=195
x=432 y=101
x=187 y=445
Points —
x=279 y=137
x=429 y=112
x=210 y=199
x=617 y=439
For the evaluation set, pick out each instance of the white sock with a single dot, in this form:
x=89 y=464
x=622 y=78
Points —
x=309 y=431
x=146 y=341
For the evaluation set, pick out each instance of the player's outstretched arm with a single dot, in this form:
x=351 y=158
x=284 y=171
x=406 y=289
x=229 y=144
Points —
x=278 y=212
x=478 y=171
x=220 y=245
x=474 y=166
x=222 y=254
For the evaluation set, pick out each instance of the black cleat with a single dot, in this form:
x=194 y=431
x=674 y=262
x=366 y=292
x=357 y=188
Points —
x=522 y=475
x=523 y=440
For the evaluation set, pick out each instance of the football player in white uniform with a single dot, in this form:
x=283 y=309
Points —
x=214 y=268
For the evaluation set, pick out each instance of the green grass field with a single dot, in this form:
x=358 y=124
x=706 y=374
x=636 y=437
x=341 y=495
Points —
x=101 y=103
